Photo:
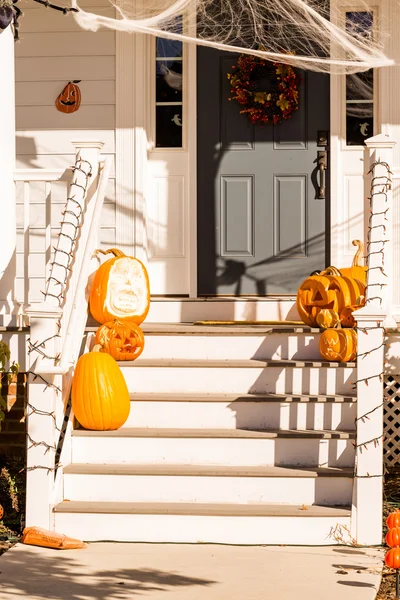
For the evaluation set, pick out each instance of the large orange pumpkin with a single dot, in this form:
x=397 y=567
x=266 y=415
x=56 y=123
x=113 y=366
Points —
x=123 y=341
x=392 y=558
x=338 y=345
x=69 y=100
x=393 y=537
x=327 y=290
x=357 y=270
x=393 y=519
x=100 y=397
x=120 y=289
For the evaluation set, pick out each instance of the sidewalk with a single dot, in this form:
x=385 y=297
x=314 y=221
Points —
x=108 y=571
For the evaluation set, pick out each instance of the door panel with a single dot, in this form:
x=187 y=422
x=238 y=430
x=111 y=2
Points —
x=261 y=226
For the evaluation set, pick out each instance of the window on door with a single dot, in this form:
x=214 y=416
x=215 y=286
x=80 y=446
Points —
x=169 y=98
x=360 y=86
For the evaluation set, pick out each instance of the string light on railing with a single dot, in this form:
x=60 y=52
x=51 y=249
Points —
x=62 y=260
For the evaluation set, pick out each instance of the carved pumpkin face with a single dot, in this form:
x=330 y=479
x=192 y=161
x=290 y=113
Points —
x=120 y=290
x=70 y=98
x=329 y=290
x=124 y=341
x=338 y=345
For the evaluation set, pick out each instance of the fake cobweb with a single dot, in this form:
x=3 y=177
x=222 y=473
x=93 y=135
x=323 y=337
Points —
x=304 y=33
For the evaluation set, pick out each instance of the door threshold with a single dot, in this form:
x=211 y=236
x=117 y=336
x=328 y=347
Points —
x=222 y=308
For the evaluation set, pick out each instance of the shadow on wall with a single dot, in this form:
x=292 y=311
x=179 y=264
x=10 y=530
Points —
x=58 y=576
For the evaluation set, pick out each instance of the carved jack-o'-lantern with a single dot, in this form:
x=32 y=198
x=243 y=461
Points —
x=120 y=289
x=328 y=290
x=70 y=98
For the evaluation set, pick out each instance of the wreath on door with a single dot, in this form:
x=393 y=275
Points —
x=260 y=106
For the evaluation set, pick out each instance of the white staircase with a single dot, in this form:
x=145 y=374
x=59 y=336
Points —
x=238 y=435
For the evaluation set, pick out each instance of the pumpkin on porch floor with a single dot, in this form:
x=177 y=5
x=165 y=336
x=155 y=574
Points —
x=100 y=397
x=327 y=290
x=120 y=289
x=122 y=340
x=338 y=345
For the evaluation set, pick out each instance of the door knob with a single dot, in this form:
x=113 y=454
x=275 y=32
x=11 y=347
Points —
x=322 y=163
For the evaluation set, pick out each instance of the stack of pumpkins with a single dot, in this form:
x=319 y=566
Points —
x=119 y=300
x=328 y=299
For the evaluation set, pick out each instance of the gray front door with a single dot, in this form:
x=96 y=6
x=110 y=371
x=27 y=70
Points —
x=261 y=225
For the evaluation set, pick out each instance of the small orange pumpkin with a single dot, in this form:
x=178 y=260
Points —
x=100 y=397
x=393 y=537
x=338 y=345
x=120 y=289
x=69 y=100
x=327 y=318
x=393 y=519
x=123 y=341
x=392 y=558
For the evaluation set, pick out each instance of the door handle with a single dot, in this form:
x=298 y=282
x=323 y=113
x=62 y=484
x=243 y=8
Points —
x=322 y=163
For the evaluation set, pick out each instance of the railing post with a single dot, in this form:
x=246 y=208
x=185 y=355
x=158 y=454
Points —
x=7 y=167
x=40 y=421
x=371 y=320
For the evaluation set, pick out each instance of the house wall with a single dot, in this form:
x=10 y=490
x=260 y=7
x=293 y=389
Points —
x=54 y=50
x=349 y=198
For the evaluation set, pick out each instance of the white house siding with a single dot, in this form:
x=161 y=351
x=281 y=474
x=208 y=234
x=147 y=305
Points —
x=54 y=50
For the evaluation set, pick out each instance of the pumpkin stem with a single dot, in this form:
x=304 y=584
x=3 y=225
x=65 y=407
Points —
x=115 y=251
x=331 y=271
x=97 y=348
x=359 y=253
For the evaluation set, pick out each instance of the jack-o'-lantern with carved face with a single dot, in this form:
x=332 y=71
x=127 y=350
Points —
x=120 y=290
x=327 y=290
x=70 y=98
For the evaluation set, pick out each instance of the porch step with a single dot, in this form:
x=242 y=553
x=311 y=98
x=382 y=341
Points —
x=227 y=447
x=205 y=483
x=195 y=523
x=238 y=376
x=183 y=397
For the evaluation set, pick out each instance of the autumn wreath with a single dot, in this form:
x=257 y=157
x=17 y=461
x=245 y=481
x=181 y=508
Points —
x=264 y=107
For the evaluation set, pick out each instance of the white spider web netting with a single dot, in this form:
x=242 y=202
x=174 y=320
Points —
x=303 y=33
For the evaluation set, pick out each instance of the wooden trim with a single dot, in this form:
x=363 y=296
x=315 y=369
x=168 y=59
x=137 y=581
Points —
x=125 y=141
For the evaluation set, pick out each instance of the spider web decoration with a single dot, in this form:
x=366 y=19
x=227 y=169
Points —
x=301 y=33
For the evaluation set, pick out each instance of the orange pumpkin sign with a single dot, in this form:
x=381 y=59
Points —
x=393 y=519
x=70 y=98
x=393 y=537
x=392 y=558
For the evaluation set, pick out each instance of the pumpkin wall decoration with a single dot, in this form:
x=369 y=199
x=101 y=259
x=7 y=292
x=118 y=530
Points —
x=100 y=397
x=122 y=340
x=338 y=345
x=120 y=289
x=69 y=100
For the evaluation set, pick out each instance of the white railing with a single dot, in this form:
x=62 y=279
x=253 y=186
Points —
x=371 y=322
x=57 y=326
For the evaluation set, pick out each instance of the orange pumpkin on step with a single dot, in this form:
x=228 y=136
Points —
x=100 y=397
x=123 y=341
x=69 y=100
x=327 y=290
x=120 y=289
x=357 y=270
x=338 y=345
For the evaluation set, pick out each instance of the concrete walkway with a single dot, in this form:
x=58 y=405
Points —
x=108 y=571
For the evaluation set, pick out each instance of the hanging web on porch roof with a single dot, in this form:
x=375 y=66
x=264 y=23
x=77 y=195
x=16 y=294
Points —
x=303 y=33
